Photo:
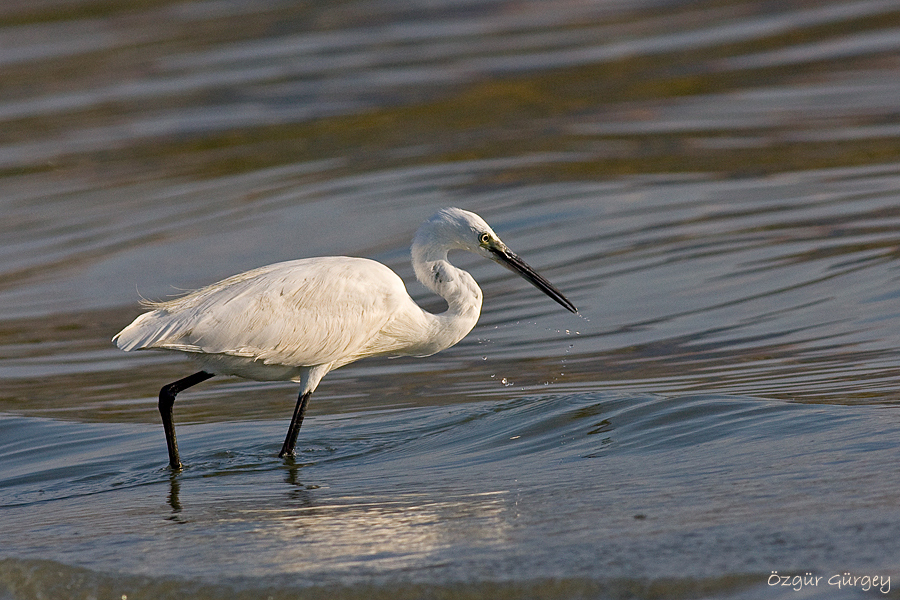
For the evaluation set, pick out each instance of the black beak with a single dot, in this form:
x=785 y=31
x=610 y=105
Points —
x=520 y=267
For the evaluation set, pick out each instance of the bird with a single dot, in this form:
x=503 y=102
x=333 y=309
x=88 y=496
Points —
x=299 y=319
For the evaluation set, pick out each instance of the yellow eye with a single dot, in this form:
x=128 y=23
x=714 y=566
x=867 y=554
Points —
x=484 y=239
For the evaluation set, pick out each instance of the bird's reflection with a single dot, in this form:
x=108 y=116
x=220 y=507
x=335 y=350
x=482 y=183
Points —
x=302 y=522
x=291 y=470
x=174 y=499
x=299 y=491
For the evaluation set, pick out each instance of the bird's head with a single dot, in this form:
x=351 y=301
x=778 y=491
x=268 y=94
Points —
x=457 y=229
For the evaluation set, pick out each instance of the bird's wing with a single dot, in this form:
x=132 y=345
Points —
x=299 y=313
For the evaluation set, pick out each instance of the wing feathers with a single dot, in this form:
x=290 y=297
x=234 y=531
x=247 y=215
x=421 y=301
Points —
x=299 y=313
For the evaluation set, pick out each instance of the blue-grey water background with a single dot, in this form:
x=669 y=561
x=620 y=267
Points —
x=715 y=184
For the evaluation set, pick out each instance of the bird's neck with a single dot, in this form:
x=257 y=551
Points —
x=454 y=285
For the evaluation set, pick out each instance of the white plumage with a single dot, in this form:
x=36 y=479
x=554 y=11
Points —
x=299 y=319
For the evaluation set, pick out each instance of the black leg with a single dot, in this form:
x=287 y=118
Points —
x=291 y=440
x=166 y=401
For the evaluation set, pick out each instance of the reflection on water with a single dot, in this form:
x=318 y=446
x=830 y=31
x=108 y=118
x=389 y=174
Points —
x=377 y=533
x=714 y=185
x=380 y=534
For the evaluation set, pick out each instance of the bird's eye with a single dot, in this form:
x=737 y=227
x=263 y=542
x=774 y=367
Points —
x=484 y=239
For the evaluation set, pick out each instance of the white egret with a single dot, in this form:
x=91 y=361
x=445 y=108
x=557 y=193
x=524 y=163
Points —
x=298 y=320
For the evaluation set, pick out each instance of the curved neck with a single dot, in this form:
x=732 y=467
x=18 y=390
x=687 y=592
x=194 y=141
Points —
x=454 y=285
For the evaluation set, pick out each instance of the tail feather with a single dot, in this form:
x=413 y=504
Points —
x=149 y=330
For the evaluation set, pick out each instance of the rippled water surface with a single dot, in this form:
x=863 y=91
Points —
x=716 y=186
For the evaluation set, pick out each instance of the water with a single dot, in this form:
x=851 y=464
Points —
x=714 y=185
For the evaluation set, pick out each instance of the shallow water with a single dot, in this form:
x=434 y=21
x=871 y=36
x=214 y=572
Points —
x=716 y=186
